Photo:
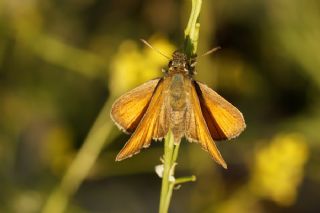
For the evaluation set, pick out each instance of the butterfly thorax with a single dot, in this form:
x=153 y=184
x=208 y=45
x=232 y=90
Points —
x=180 y=63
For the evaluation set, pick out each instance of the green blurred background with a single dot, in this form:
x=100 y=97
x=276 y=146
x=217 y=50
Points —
x=63 y=62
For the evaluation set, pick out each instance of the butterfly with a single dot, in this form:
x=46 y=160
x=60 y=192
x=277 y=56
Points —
x=178 y=103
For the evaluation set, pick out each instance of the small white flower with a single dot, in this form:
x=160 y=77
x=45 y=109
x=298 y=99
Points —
x=159 y=170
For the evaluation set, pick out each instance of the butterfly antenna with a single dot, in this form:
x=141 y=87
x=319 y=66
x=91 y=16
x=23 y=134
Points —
x=158 y=51
x=211 y=51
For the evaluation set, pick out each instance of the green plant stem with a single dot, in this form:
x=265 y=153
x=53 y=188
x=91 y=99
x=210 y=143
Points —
x=191 y=32
x=169 y=162
x=167 y=165
x=178 y=181
x=170 y=149
x=82 y=163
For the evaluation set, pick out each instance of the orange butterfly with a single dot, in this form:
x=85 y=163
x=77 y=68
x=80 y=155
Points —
x=177 y=102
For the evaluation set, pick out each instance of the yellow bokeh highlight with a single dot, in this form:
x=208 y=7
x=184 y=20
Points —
x=278 y=168
x=132 y=66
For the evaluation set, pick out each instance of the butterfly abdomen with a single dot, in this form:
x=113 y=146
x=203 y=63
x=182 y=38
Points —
x=178 y=106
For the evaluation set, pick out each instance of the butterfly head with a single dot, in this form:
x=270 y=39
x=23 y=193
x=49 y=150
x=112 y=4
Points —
x=181 y=63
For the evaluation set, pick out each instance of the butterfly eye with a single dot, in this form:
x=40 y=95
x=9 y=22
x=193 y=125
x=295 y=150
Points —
x=170 y=63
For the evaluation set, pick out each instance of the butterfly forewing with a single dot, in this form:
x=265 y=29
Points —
x=224 y=121
x=197 y=130
x=150 y=126
x=129 y=109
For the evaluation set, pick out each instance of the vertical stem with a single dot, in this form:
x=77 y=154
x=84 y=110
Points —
x=167 y=165
x=191 y=32
x=170 y=149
